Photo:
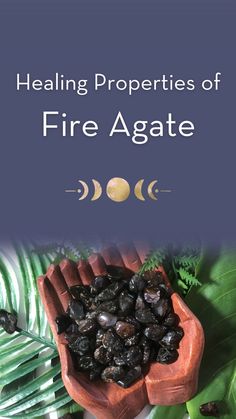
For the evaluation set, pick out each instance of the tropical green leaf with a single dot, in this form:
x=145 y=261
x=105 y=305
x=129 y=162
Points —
x=29 y=388
x=69 y=408
x=215 y=305
x=168 y=412
x=48 y=408
x=30 y=379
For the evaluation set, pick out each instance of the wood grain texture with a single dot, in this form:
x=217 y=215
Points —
x=164 y=384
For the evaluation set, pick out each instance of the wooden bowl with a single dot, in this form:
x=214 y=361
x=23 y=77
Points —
x=163 y=385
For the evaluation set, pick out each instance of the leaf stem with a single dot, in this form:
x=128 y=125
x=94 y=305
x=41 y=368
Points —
x=36 y=338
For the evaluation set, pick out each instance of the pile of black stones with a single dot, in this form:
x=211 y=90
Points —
x=119 y=324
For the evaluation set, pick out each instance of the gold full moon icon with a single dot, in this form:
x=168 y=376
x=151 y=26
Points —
x=118 y=189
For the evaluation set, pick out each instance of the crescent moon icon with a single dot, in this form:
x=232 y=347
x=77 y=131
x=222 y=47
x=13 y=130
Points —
x=97 y=190
x=86 y=190
x=138 y=190
x=150 y=190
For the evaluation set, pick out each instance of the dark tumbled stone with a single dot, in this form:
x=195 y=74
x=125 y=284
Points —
x=161 y=308
x=137 y=283
x=151 y=295
x=112 y=342
x=171 y=320
x=81 y=345
x=146 y=354
x=8 y=321
x=96 y=372
x=155 y=332
x=145 y=316
x=99 y=337
x=132 y=320
x=111 y=291
x=119 y=360
x=102 y=355
x=133 y=356
x=62 y=323
x=154 y=278
x=87 y=326
x=86 y=363
x=108 y=306
x=133 y=340
x=106 y=320
x=140 y=304
x=210 y=409
x=130 y=377
x=116 y=272
x=171 y=339
x=98 y=284
x=166 y=356
x=112 y=374
x=75 y=310
x=82 y=293
x=126 y=302
x=125 y=329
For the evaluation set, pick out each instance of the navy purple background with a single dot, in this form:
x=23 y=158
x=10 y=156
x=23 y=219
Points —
x=123 y=39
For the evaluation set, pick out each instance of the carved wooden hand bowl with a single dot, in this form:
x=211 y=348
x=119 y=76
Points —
x=163 y=385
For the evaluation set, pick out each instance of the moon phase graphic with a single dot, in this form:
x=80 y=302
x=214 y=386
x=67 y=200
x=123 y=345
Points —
x=118 y=190
x=150 y=190
x=138 y=190
x=97 y=190
x=86 y=190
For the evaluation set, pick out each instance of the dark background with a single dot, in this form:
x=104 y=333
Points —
x=123 y=39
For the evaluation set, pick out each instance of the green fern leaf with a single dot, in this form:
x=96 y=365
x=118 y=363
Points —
x=187 y=261
x=182 y=285
x=25 y=392
x=60 y=251
x=188 y=277
x=153 y=260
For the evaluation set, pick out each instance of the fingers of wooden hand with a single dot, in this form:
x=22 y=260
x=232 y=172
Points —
x=85 y=272
x=112 y=256
x=51 y=301
x=130 y=257
x=59 y=284
x=143 y=249
x=70 y=273
x=62 y=277
x=97 y=264
x=125 y=256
